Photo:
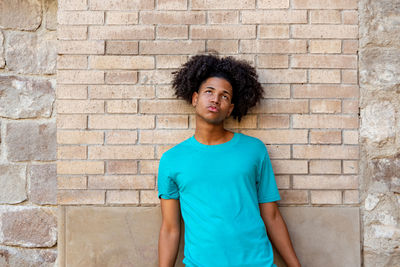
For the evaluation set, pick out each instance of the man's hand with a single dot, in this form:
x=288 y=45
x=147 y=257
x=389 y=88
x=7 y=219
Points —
x=278 y=233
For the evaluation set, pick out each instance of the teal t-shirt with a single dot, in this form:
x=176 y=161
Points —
x=219 y=188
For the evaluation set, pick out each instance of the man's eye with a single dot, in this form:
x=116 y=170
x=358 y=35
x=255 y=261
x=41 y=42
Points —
x=225 y=97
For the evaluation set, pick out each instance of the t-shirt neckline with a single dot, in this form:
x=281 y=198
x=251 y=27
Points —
x=229 y=143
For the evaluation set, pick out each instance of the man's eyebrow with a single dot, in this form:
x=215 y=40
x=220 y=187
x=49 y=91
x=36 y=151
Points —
x=225 y=91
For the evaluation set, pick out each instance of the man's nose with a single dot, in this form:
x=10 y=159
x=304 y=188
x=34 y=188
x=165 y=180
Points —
x=215 y=98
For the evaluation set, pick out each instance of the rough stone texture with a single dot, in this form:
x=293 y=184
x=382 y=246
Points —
x=43 y=184
x=12 y=183
x=12 y=256
x=50 y=14
x=28 y=226
x=11 y=18
x=22 y=98
x=380 y=131
x=2 y=62
x=31 y=53
x=30 y=140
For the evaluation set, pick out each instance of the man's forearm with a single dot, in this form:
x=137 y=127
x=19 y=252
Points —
x=168 y=245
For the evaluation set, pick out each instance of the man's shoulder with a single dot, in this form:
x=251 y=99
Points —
x=252 y=141
x=177 y=149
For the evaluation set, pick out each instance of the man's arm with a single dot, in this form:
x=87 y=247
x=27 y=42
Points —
x=168 y=241
x=278 y=233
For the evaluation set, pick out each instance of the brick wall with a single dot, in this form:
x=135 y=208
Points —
x=116 y=113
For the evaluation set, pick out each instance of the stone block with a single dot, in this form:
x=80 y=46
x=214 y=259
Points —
x=12 y=183
x=2 y=62
x=23 y=97
x=13 y=256
x=50 y=14
x=31 y=53
x=30 y=140
x=43 y=184
x=20 y=15
x=387 y=170
x=28 y=226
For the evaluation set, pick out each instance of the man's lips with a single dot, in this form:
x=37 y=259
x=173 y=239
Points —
x=213 y=109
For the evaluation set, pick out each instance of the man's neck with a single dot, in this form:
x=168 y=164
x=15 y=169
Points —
x=210 y=134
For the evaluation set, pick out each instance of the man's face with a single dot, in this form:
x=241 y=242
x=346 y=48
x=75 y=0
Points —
x=213 y=100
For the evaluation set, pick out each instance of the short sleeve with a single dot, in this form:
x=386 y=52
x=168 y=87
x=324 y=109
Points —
x=167 y=188
x=267 y=190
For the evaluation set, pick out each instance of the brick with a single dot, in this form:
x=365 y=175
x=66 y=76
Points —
x=71 y=152
x=172 y=121
x=326 y=197
x=172 y=4
x=121 y=4
x=80 y=17
x=279 y=151
x=121 y=77
x=65 y=62
x=121 y=106
x=273 y=61
x=282 y=181
x=247 y=122
x=325 y=182
x=325 y=91
x=121 y=122
x=293 y=197
x=121 y=167
x=73 y=182
x=223 y=4
x=289 y=166
x=170 y=62
x=273 y=121
x=65 y=91
x=271 y=4
x=350 y=137
x=349 y=76
x=325 y=46
x=324 y=61
x=81 y=47
x=351 y=197
x=279 y=136
x=155 y=77
x=165 y=91
x=273 y=31
x=71 y=121
x=325 y=106
x=276 y=90
x=282 y=76
x=80 y=106
x=223 y=46
x=80 y=137
x=160 y=149
x=131 y=32
x=121 y=152
x=172 y=17
x=172 y=32
x=164 y=136
x=324 y=76
x=274 y=17
x=273 y=46
x=72 y=4
x=122 y=197
x=149 y=166
x=281 y=106
x=121 y=137
x=122 y=47
x=80 y=167
x=325 y=17
x=149 y=197
x=171 y=47
x=350 y=106
x=350 y=46
x=325 y=152
x=81 y=197
x=223 y=17
x=350 y=17
x=328 y=4
x=121 y=182
x=324 y=121
x=122 y=18
x=223 y=32
x=80 y=77
x=350 y=166
x=165 y=106
x=121 y=62
x=325 y=166
x=325 y=31
x=325 y=137
x=66 y=32
x=121 y=91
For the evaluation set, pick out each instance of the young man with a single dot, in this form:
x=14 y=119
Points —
x=221 y=182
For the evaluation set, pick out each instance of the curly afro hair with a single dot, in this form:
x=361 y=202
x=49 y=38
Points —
x=247 y=91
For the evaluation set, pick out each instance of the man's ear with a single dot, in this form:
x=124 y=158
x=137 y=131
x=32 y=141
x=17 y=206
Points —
x=194 y=98
x=230 y=110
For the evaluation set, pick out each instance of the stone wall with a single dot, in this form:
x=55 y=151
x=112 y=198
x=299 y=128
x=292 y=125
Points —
x=28 y=185
x=380 y=131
